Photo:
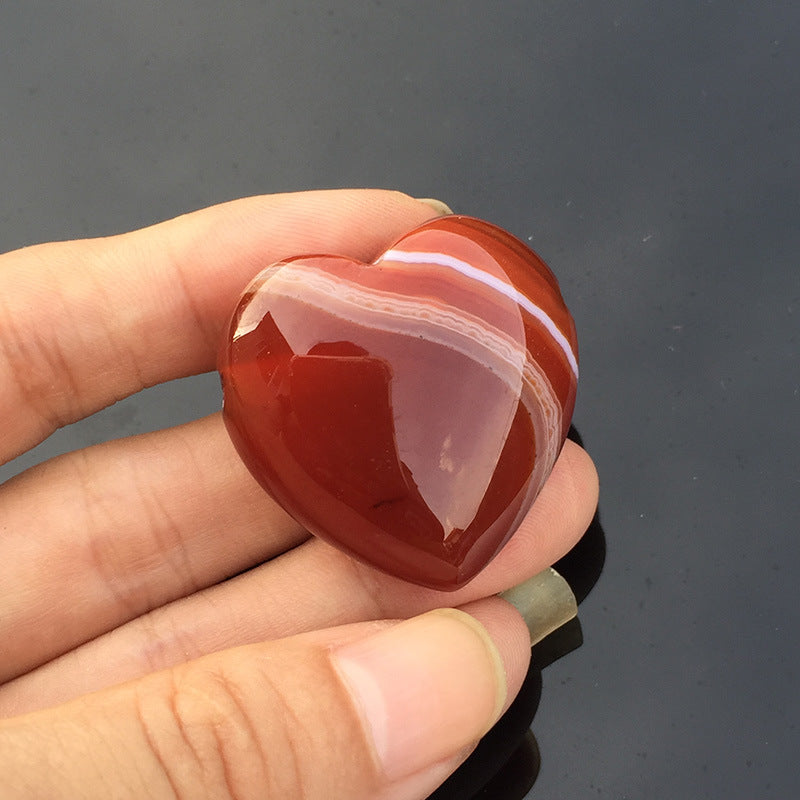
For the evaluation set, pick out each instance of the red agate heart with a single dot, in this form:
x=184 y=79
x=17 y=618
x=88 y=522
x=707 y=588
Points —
x=407 y=411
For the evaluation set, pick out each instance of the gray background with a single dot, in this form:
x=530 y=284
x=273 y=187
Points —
x=649 y=152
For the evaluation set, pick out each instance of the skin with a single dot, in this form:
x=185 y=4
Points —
x=134 y=662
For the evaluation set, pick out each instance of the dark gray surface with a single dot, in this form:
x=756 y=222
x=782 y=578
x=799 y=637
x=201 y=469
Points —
x=649 y=152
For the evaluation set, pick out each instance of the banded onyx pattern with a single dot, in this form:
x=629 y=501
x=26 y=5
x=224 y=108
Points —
x=407 y=411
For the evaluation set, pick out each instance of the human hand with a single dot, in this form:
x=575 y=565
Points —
x=167 y=630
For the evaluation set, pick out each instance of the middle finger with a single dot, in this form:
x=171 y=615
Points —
x=100 y=536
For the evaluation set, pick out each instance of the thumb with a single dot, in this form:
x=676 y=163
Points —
x=372 y=710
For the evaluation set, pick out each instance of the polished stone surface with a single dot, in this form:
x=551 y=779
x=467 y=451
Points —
x=410 y=410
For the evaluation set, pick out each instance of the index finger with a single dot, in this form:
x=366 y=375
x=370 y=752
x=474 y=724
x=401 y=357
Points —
x=85 y=323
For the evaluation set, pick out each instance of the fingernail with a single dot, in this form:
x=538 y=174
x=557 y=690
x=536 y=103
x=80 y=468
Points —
x=437 y=205
x=545 y=601
x=425 y=688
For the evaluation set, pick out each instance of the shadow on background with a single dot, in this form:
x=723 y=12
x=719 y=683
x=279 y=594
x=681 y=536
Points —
x=505 y=764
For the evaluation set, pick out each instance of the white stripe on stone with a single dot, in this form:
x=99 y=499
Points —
x=443 y=260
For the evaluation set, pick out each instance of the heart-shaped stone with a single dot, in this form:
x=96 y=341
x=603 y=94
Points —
x=407 y=411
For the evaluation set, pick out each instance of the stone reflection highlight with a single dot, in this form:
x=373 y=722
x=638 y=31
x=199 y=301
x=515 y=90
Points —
x=407 y=411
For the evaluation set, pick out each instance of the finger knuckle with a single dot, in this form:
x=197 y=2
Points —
x=203 y=739
x=34 y=365
x=260 y=726
x=43 y=367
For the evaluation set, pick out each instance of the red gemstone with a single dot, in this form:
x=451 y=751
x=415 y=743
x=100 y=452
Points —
x=407 y=411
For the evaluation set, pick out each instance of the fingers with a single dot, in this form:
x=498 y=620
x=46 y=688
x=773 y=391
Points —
x=85 y=323
x=394 y=708
x=125 y=527
x=312 y=586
